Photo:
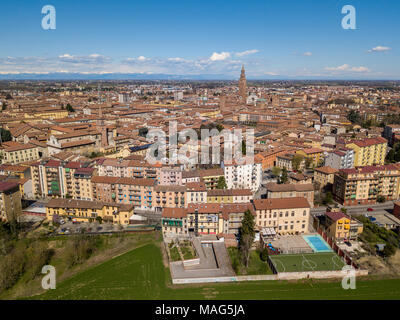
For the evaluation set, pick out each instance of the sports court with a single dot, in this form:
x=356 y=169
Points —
x=325 y=261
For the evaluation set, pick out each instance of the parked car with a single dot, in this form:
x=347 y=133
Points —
x=370 y=209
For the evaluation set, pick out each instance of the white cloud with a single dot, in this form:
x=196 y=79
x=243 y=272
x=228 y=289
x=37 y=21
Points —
x=220 y=56
x=247 y=52
x=380 y=49
x=142 y=58
x=90 y=59
x=345 y=67
x=307 y=54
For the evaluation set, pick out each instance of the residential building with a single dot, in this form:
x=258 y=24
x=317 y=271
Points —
x=278 y=191
x=285 y=215
x=314 y=154
x=364 y=185
x=324 y=177
x=139 y=192
x=10 y=201
x=369 y=152
x=229 y=196
x=87 y=211
x=243 y=176
x=342 y=158
x=14 y=152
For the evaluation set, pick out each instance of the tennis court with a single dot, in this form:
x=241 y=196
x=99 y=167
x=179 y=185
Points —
x=327 y=261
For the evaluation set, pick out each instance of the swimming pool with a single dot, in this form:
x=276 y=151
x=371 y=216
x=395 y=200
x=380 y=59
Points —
x=317 y=243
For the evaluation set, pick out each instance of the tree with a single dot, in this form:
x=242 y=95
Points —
x=296 y=161
x=5 y=135
x=264 y=254
x=69 y=108
x=328 y=198
x=243 y=147
x=308 y=162
x=246 y=234
x=222 y=183
x=143 y=132
x=284 y=176
x=389 y=250
x=276 y=171
x=380 y=199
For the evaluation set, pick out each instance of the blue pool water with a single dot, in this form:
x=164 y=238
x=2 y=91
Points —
x=317 y=243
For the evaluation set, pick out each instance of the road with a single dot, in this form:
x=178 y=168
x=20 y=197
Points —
x=356 y=210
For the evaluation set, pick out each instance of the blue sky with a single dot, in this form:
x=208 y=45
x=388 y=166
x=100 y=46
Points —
x=274 y=39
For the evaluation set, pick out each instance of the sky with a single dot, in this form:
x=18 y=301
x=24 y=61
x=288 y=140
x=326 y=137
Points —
x=273 y=39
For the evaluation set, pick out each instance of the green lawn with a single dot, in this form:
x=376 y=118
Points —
x=175 y=256
x=256 y=265
x=326 y=261
x=187 y=252
x=140 y=274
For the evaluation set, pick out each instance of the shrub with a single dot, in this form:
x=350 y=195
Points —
x=264 y=254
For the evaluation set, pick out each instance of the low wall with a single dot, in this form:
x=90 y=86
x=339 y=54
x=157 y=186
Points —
x=279 y=276
x=191 y=262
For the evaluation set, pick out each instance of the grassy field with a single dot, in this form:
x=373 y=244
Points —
x=140 y=274
x=256 y=265
x=307 y=262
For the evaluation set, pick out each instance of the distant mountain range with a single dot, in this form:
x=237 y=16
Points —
x=155 y=76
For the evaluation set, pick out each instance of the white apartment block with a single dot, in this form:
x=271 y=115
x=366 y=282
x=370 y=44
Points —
x=340 y=159
x=243 y=176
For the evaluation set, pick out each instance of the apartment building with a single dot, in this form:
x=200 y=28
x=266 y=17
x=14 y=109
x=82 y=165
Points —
x=81 y=183
x=390 y=131
x=14 y=152
x=269 y=158
x=314 y=154
x=88 y=211
x=211 y=177
x=174 y=222
x=369 y=152
x=10 y=201
x=54 y=178
x=364 y=185
x=204 y=219
x=171 y=196
x=278 y=191
x=127 y=168
x=229 y=196
x=285 y=215
x=170 y=176
x=243 y=176
x=286 y=161
x=196 y=192
x=139 y=192
x=324 y=177
x=342 y=158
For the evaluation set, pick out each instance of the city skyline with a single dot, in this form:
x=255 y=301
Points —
x=285 y=40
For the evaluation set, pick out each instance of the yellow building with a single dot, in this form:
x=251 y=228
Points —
x=316 y=155
x=324 y=176
x=15 y=152
x=368 y=152
x=86 y=211
x=337 y=226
